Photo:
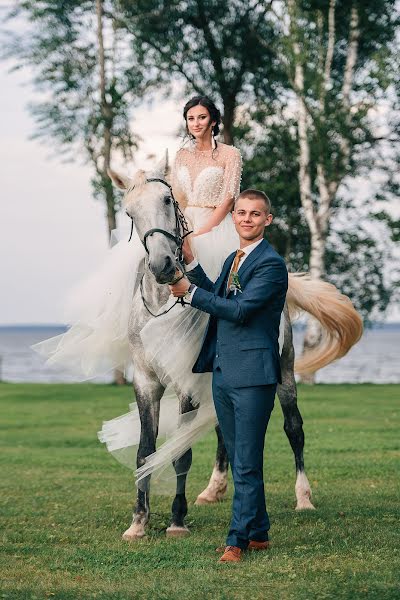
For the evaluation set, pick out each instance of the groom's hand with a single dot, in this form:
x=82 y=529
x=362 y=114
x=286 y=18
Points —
x=179 y=289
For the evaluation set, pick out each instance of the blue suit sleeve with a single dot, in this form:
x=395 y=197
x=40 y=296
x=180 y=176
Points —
x=268 y=280
x=199 y=278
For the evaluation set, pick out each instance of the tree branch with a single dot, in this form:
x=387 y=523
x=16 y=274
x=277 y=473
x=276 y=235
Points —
x=212 y=46
x=304 y=158
x=348 y=79
x=351 y=58
x=329 y=52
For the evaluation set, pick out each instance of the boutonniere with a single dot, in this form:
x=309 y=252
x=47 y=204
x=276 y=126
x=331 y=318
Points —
x=235 y=286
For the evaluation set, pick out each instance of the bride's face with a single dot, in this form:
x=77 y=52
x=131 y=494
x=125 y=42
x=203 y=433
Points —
x=199 y=122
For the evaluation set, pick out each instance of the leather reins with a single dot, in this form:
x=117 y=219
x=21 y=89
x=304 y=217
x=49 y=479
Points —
x=182 y=231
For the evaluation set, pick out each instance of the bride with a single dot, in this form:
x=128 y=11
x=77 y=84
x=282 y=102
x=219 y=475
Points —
x=206 y=180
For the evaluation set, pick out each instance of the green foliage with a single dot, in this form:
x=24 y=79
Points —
x=332 y=121
x=358 y=252
x=211 y=46
x=66 y=502
x=59 y=44
x=345 y=141
x=355 y=261
x=270 y=164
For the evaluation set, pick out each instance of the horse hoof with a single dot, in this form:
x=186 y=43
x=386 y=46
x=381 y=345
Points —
x=203 y=500
x=134 y=533
x=305 y=504
x=211 y=496
x=177 y=532
x=303 y=492
x=216 y=489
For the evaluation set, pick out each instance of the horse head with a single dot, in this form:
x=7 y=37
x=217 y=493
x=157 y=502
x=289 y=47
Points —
x=148 y=201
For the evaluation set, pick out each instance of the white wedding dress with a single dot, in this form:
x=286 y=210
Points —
x=97 y=340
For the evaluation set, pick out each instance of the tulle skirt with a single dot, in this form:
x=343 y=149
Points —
x=97 y=342
x=98 y=310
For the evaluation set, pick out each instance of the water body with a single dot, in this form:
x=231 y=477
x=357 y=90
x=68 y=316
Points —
x=375 y=359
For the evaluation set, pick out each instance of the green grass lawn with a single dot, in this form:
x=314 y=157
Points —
x=65 y=503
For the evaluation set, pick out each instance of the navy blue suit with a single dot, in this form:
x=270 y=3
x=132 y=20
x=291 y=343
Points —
x=241 y=347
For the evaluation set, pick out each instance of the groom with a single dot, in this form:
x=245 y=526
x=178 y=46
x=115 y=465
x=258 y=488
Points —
x=240 y=347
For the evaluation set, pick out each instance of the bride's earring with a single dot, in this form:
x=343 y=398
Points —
x=213 y=141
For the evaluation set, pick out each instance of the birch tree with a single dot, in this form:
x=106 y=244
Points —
x=360 y=254
x=336 y=53
x=87 y=81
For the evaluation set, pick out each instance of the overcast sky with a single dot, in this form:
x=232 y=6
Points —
x=52 y=233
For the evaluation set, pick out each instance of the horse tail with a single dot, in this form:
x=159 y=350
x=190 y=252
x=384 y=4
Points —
x=341 y=324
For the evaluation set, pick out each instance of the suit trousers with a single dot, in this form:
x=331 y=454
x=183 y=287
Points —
x=243 y=415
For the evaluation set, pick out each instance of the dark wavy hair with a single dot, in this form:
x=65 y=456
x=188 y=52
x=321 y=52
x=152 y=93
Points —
x=209 y=105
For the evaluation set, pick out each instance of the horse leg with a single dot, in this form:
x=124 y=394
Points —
x=293 y=422
x=218 y=484
x=182 y=466
x=148 y=392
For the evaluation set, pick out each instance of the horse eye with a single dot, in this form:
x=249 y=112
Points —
x=167 y=200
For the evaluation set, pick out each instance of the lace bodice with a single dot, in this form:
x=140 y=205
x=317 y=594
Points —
x=206 y=178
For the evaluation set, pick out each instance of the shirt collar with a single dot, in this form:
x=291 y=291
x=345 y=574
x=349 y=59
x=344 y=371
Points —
x=251 y=247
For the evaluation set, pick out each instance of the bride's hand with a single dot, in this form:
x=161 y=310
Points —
x=200 y=232
x=188 y=256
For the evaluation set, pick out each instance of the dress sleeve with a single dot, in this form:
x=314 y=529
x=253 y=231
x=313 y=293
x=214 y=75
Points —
x=177 y=189
x=232 y=175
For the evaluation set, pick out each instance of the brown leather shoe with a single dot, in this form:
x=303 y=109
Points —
x=231 y=554
x=253 y=545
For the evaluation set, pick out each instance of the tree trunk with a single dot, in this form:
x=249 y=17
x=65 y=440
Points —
x=316 y=219
x=119 y=378
x=107 y=119
x=327 y=189
x=111 y=215
x=227 y=120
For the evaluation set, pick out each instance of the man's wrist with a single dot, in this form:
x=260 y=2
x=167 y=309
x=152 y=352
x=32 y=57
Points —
x=190 y=291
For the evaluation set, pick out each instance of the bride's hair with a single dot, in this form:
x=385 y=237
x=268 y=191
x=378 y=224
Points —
x=209 y=105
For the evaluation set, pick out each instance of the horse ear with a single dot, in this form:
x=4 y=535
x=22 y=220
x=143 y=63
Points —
x=120 y=181
x=162 y=168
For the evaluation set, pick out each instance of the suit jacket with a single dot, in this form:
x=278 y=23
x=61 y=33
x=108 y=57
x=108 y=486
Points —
x=243 y=329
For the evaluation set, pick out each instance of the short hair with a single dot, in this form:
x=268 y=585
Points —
x=256 y=195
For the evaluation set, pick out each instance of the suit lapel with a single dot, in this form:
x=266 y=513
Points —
x=252 y=257
x=225 y=270
x=247 y=263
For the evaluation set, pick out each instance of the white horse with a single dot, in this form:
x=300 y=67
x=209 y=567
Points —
x=155 y=214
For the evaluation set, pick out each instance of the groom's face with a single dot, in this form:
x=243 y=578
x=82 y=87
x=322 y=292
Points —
x=251 y=217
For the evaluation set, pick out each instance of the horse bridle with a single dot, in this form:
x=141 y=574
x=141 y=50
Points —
x=181 y=226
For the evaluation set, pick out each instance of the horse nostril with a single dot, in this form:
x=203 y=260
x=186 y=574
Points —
x=168 y=262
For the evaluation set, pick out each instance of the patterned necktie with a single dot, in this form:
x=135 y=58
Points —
x=239 y=254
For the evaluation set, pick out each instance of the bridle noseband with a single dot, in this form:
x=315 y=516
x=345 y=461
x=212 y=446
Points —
x=182 y=229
